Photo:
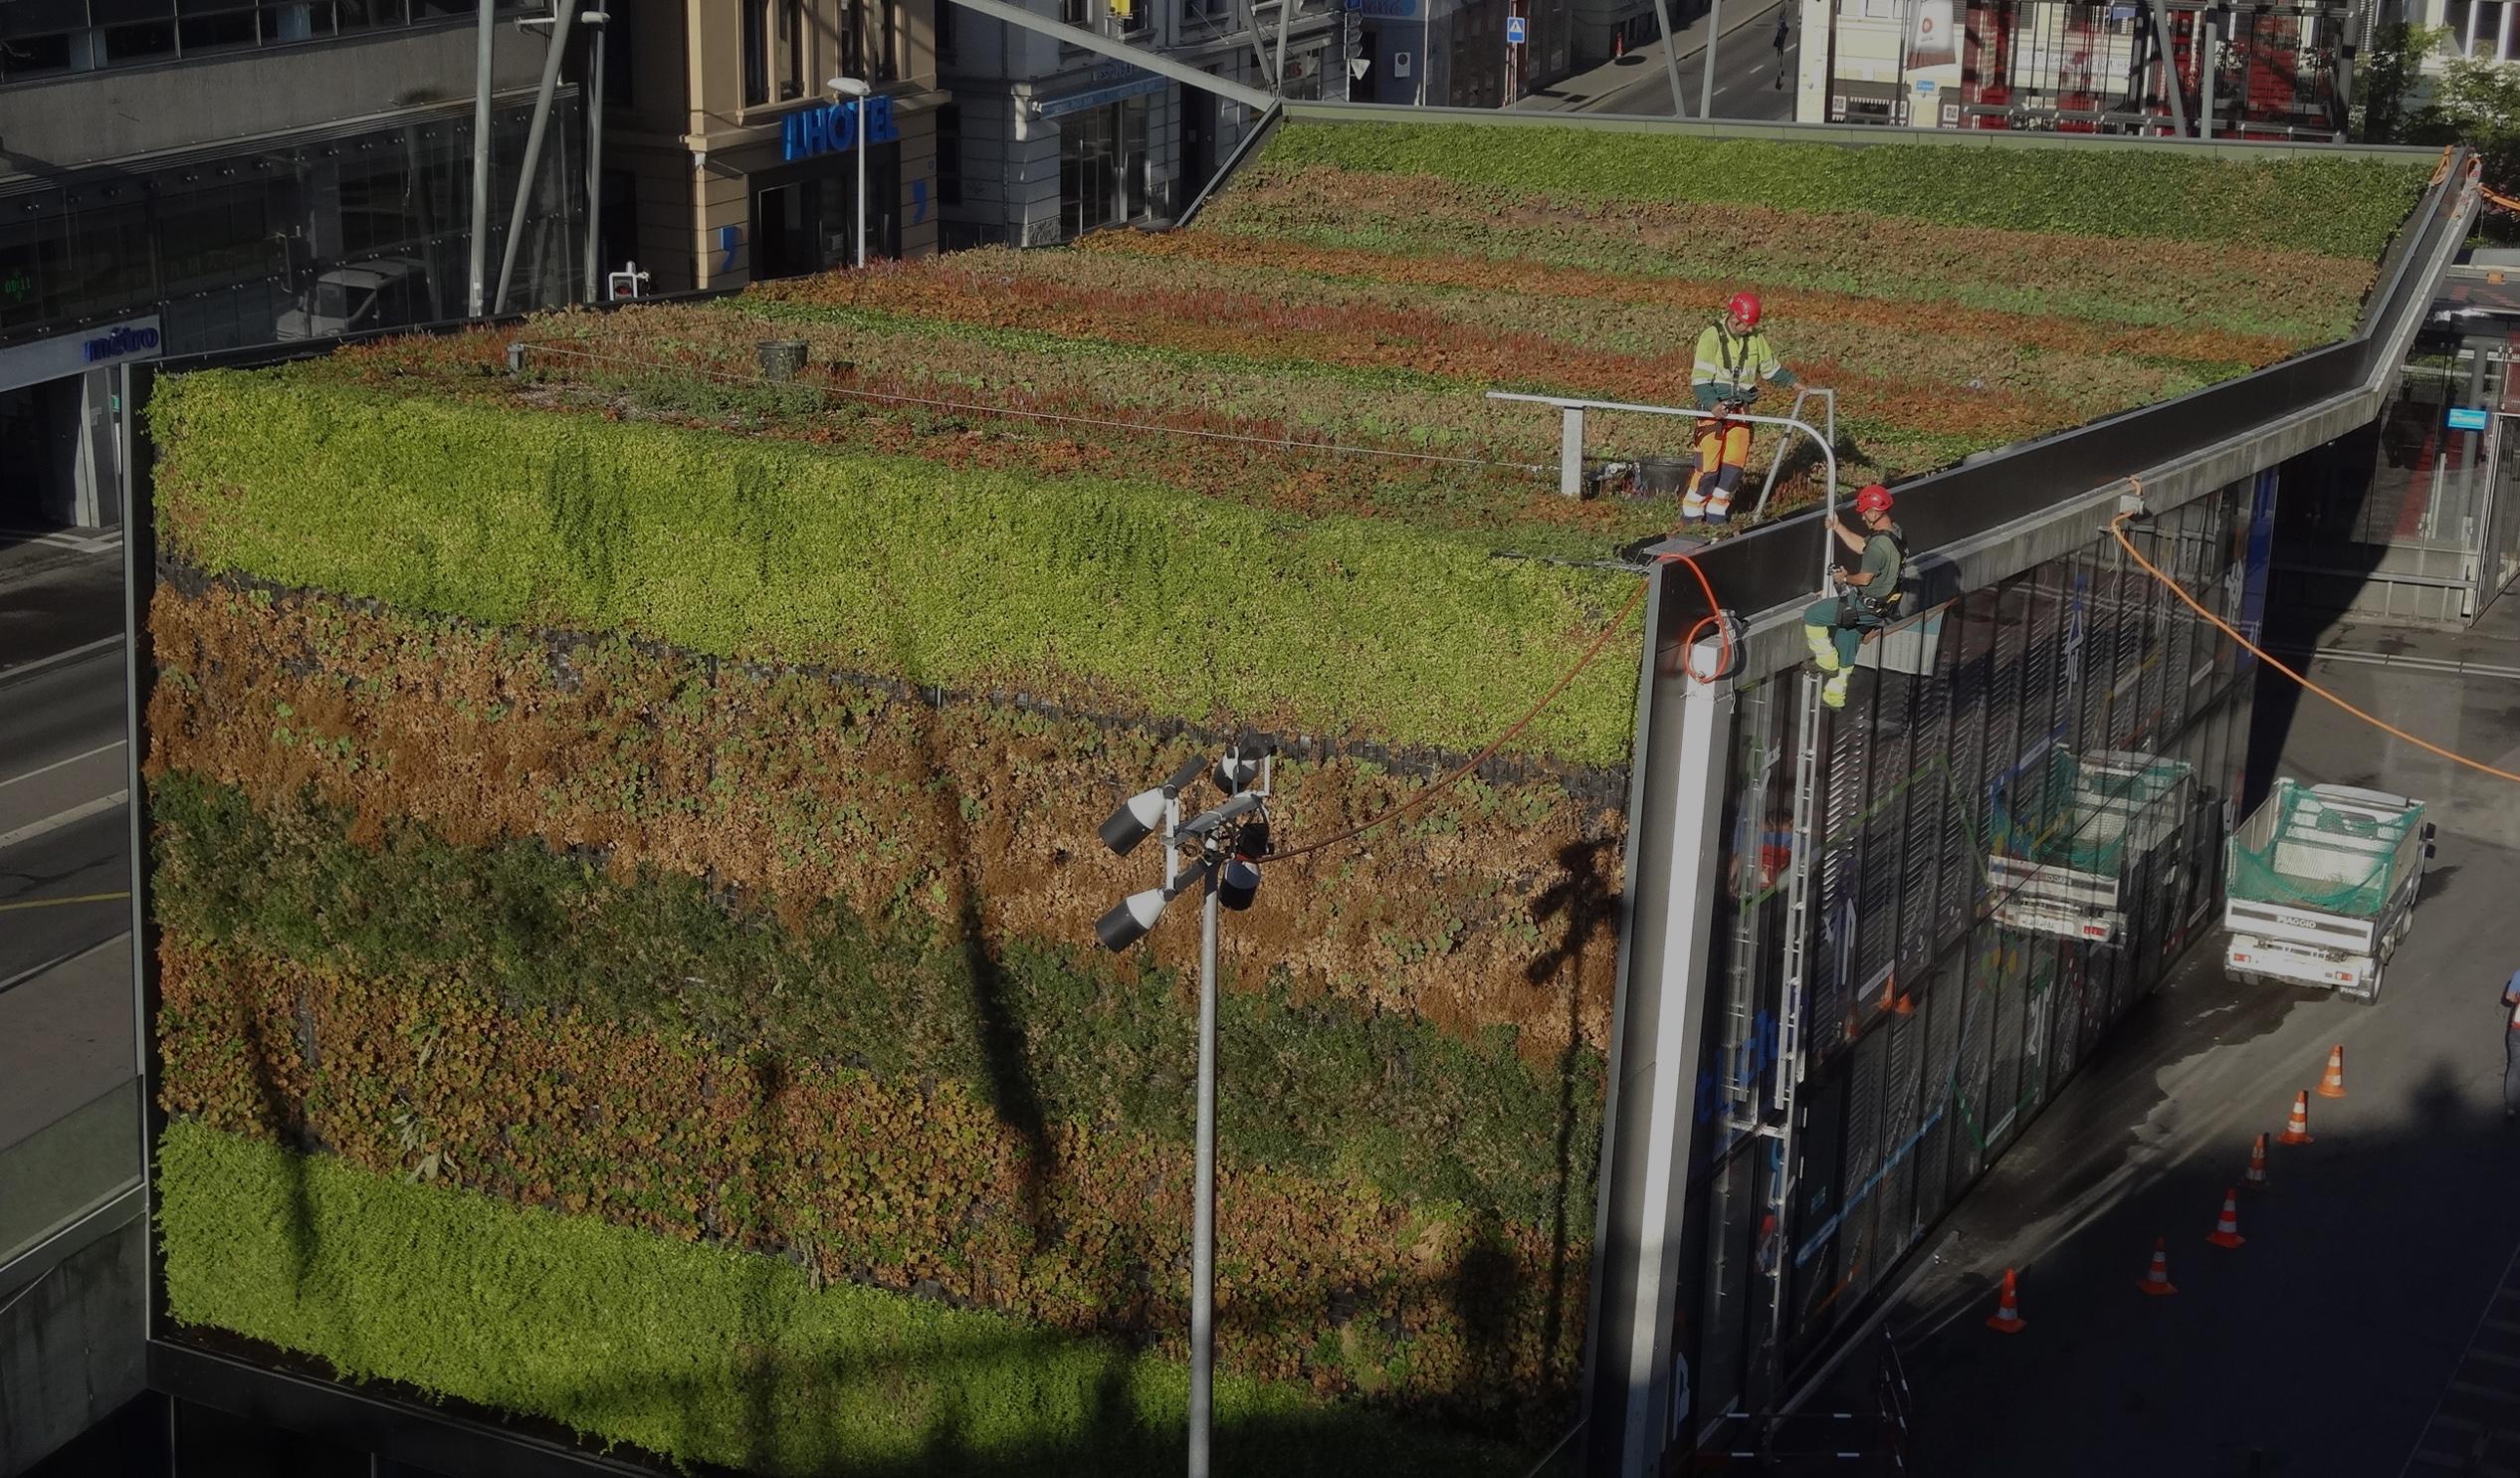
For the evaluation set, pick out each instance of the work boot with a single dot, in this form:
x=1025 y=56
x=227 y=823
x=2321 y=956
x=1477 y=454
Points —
x=1833 y=692
x=1824 y=647
x=1692 y=507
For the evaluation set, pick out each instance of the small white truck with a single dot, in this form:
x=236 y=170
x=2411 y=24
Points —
x=2074 y=833
x=2321 y=885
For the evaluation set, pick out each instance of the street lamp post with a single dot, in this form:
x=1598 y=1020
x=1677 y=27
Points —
x=1229 y=839
x=858 y=89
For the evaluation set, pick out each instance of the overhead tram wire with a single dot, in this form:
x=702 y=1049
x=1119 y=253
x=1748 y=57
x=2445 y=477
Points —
x=1714 y=616
x=976 y=408
x=2117 y=530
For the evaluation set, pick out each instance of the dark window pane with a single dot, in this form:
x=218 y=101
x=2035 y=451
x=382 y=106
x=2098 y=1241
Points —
x=216 y=32
x=304 y=21
x=364 y=15
x=107 y=12
x=949 y=154
x=34 y=17
x=756 y=52
x=33 y=56
x=440 y=10
x=210 y=7
x=139 y=43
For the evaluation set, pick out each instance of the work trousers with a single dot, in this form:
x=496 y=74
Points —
x=1849 y=640
x=2511 y=1070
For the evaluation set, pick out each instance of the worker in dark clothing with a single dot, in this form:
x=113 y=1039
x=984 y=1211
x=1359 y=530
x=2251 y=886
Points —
x=2511 y=1048
x=1835 y=626
x=1782 y=34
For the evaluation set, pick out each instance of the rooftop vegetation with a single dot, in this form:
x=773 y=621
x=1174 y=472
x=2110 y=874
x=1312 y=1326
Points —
x=624 y=830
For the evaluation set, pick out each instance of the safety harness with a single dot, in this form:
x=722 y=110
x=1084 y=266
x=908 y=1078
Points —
x=1858 y=606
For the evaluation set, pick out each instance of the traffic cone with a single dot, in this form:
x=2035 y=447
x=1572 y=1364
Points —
x=2156 y=1281
x=2226 y=1232
x=1892 y=1001
x=2333 y=1085
x=2257 y=1164
x=2007 y=1319
x=2298 y=1131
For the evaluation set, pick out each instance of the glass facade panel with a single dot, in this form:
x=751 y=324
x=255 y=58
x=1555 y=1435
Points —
x=1937 y=1029
x=292 y=241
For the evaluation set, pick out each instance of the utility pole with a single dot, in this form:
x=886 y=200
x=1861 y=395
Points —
x=1230 y=840
x=1671 y=58
x=601 y=23
x=480 y=159
x=1706 y=81
x=565 y=12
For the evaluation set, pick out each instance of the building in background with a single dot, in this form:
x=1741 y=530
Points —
x=2277 y=72
x=219 y=173
x=1045 y=141
x=728 y=159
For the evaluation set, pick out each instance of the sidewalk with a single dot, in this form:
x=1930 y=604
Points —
x=1746 y=22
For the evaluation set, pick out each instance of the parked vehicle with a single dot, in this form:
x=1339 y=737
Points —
x=383 y=292
x=2322 y=885
x=2074 y=833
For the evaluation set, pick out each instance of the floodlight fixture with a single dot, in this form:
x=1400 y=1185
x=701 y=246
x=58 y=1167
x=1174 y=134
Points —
x=1240 y=767
x=850 y=87
x=1237 y=883
x=1131 y=918
x=1137 y=817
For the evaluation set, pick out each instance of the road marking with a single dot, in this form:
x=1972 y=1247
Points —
x=63 y=540
x=55 y=903
x=58 y=659
x=75 y=815
x=58 y=764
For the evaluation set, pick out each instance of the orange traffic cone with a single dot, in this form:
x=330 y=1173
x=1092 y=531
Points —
x=1892 y=1001
x=2007 y=1319
x=2333 y=1085
x=2298 y=1131
x=2156 y=1281
x=2257 y=1164
x=2226 y=1232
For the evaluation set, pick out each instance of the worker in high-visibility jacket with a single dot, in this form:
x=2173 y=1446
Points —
x=1867 y=599
x=1733 y=359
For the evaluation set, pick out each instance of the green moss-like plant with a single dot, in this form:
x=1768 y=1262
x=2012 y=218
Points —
x=693 y=1351
x=1169 y=605
x=1319 y=1087
x=2346 y=207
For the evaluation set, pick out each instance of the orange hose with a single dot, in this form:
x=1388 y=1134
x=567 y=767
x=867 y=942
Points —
x=2117 y=530
x=1715 y=615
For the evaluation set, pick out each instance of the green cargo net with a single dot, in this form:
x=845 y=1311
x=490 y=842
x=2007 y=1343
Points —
x=2067 y=814
x=2320 y=857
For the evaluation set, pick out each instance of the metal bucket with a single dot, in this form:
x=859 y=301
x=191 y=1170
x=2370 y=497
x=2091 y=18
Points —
x=782 y=357
x=1663 y=476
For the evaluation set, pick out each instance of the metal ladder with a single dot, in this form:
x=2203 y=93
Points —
x=1798 y=942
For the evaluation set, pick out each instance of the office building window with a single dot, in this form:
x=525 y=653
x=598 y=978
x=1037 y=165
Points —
x=1077 y=12
x=756 y=52
x=870 y=41
x=45 y=38
x=791 y=46
x=950 y=154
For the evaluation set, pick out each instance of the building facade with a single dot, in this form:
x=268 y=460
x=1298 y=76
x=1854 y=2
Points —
x=729 y=158
x=181 y=178
x=1045 y=141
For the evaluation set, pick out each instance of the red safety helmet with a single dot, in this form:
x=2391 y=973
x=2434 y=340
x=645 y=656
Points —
x=1875 y=498
x=1743 y=309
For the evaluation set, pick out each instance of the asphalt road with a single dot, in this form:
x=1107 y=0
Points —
x=2373 y=1313
x=1745 y=82
x=64 y=852
x=66 y=1044
x=1747 y=72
